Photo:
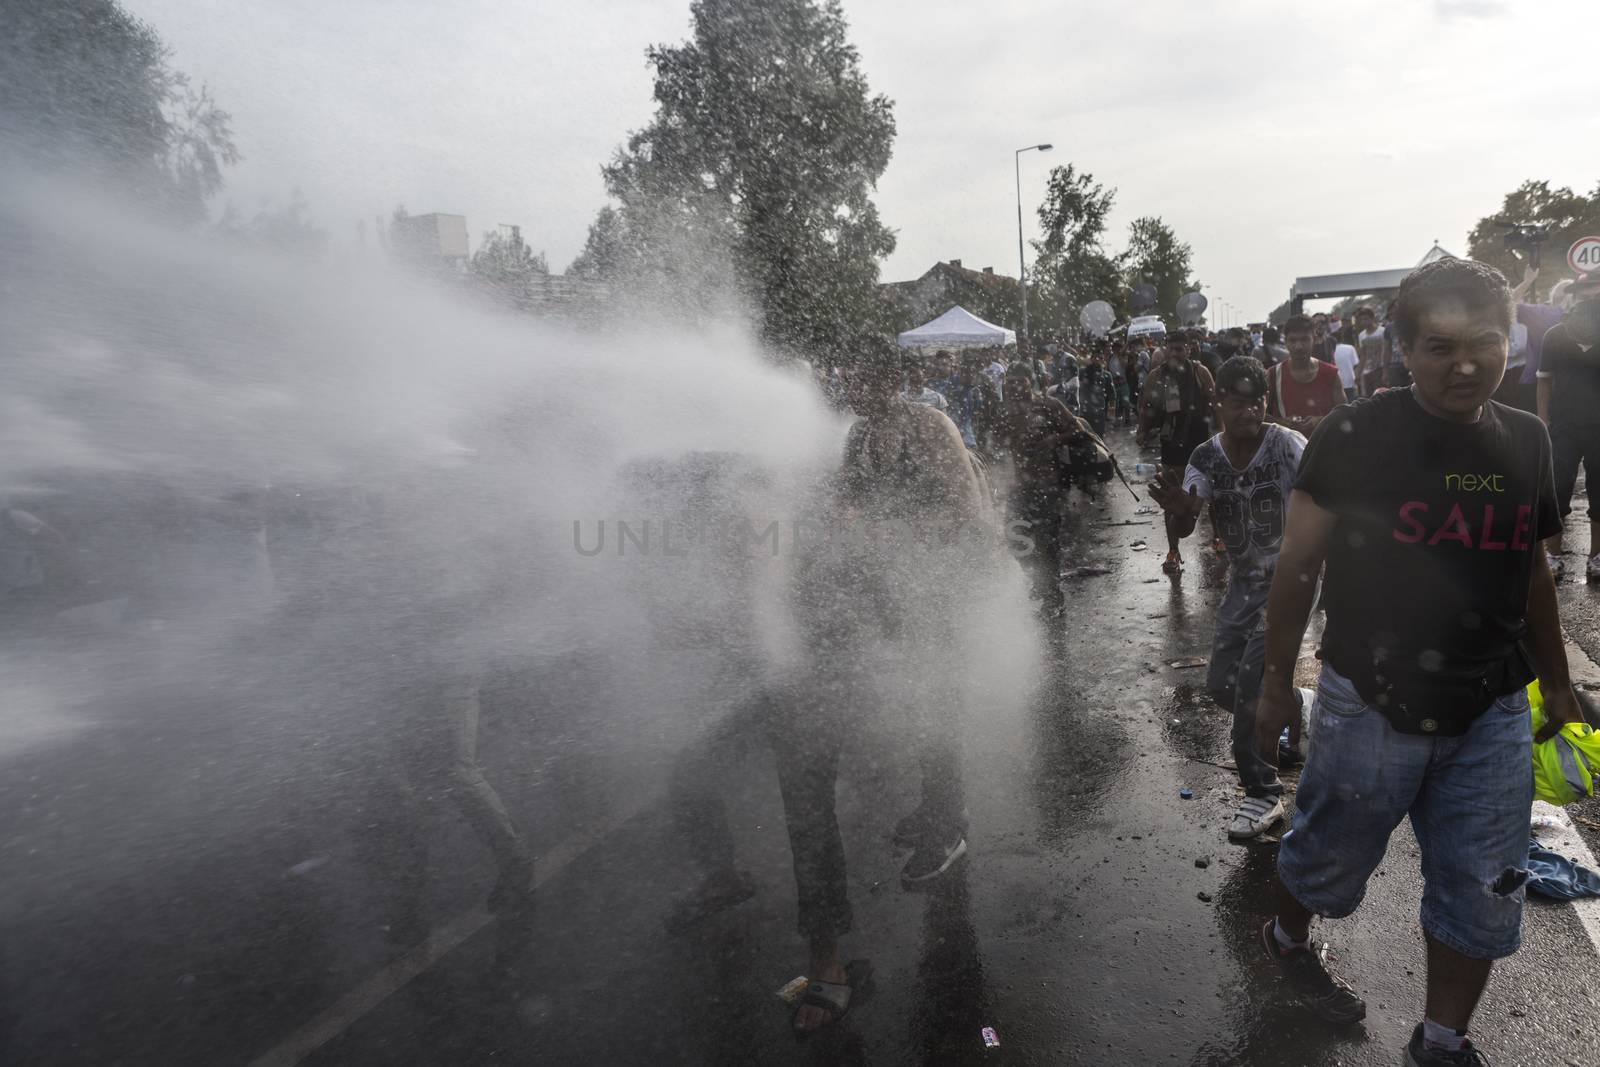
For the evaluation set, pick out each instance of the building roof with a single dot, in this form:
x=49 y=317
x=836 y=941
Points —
x=1313 y=286
x=954 y=271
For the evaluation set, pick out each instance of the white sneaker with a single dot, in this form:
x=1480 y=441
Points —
x=1255 y=817
x=1308 y=698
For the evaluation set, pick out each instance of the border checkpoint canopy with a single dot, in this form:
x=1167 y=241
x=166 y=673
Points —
x=956 y=327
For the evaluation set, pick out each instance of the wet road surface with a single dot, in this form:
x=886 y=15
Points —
x=1081 y=927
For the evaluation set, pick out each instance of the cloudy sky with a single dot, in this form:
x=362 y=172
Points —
x=1278 y=139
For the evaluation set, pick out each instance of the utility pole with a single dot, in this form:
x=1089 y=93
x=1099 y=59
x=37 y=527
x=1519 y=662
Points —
x=1022 y=262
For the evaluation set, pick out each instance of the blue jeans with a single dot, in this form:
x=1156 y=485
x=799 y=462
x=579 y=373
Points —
x=1233 y=680
x=1469 y=799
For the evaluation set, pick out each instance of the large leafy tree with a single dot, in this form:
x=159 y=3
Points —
x=1569 y=216
x=757 y=172
x=86 y=88
x=1071 y=265
x=1155 y=255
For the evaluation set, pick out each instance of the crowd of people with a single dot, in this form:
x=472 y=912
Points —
x=1396 y=473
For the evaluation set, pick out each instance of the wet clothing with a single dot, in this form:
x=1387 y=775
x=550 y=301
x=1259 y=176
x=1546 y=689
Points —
x=806 y=734
x=1095 y=389
x=1430 y=560
x=1028 y=428
x=1178 y=404
x=1539 y=320
x=1469 y=798
x=1574 y=374
x=972 y=406
x=871 y=616
x=1233 y=678
x=1373 y=348
x=1574 y=370
x=1288 y=397
x=1039 y=509
x=909 y=462
x=1248 y=509
x=1347 y=361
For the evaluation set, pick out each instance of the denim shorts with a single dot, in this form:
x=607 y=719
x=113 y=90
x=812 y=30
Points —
x=1469 y=799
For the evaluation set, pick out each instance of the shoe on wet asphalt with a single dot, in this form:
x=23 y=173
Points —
x=932 y=859
x=1418 y=1054
x=1324 y=994
x=1255 y=817
x=1173 y=564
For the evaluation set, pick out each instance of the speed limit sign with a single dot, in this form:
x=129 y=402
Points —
x=1584 y=255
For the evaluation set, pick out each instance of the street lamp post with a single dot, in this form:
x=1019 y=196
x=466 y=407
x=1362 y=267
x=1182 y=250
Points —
x=1022 y=263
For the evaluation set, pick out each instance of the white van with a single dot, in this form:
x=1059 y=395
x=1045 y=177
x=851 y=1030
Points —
x=1145 y=325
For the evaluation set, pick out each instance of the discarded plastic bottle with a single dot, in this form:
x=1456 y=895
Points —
x=1143 y=470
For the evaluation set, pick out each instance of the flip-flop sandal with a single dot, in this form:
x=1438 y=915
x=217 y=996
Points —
x=837 y=997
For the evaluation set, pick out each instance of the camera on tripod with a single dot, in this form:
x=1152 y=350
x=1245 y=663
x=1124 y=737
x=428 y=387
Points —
x=1527 y=238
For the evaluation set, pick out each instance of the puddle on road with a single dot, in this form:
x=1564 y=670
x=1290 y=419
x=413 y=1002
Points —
x=1194 y=725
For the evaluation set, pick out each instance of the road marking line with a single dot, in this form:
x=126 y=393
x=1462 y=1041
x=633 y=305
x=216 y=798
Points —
x=1554 y=828
x=441 y=941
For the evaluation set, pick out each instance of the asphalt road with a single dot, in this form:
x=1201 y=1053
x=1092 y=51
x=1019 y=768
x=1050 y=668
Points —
x=208 y=907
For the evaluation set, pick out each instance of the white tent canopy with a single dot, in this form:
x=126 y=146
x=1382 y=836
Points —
x=956 y=327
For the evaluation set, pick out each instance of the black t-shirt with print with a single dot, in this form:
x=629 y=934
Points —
x=1430 y=560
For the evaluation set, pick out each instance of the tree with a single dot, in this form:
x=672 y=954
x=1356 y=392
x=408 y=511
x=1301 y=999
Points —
x=287 y=229
x=199 y=144
x=508 y=266
x=763 y=155
x=1155 y=255
x=1071 y=267
x=505 y=258
x=1569 y=216
x=605 y=250
x=87 y=90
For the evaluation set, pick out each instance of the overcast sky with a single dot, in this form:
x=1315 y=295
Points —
x=1278 y=139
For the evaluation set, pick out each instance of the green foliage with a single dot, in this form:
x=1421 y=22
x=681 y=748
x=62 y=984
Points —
x=506 y=264
x=756 y=174
x=1155 y=255
x=505 y=258
x=1071 y=266
x=87 y=89
x=605 y=252
x=1570 y=216
x=287 y=228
